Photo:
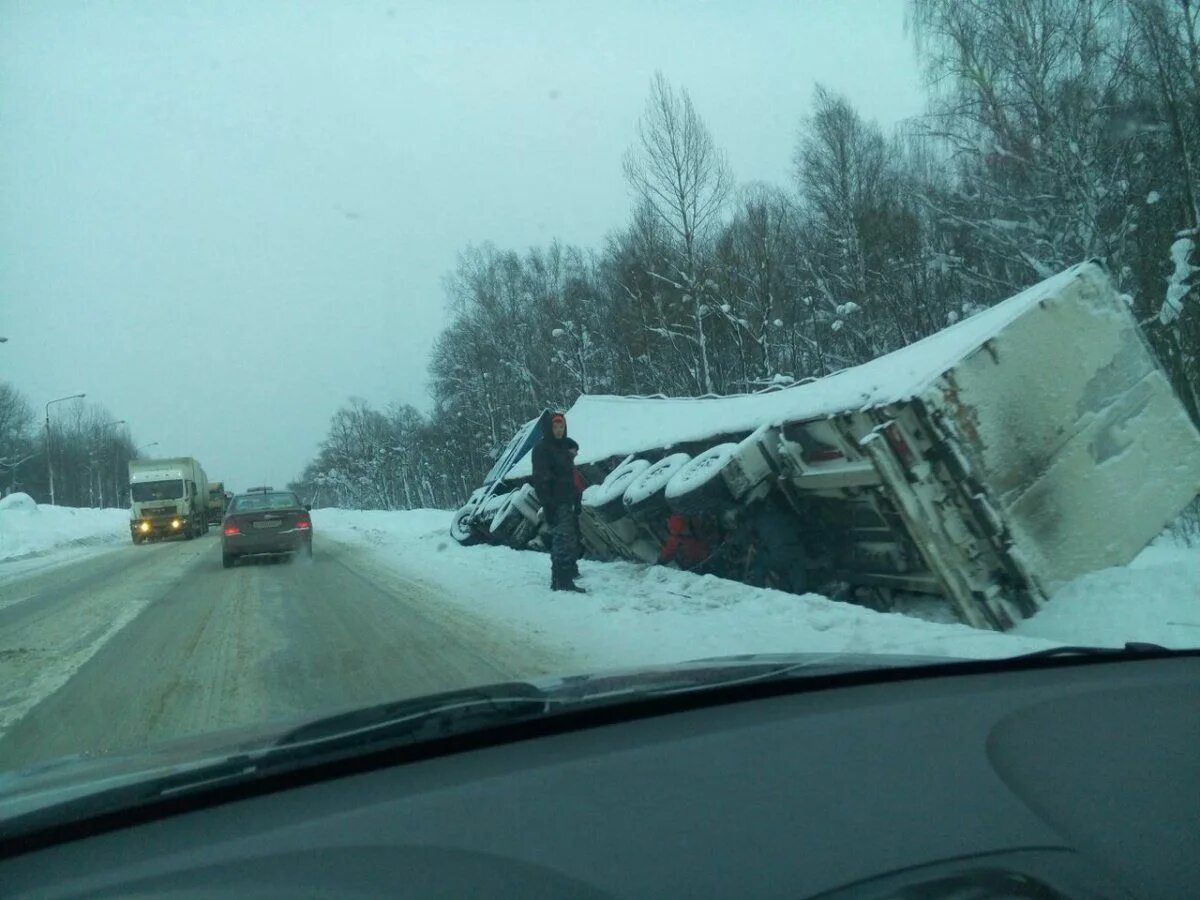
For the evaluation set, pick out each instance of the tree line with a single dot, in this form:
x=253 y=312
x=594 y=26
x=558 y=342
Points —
x=1055 y=131
x=88 y=448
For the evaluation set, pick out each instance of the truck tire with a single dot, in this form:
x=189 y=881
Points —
x=698 y=486
x=460 y=527
x=189 y=531
x=136 y=539
x=606 y=499
x=645 y=498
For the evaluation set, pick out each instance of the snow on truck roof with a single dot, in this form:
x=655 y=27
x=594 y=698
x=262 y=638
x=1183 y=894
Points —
x=608 y=426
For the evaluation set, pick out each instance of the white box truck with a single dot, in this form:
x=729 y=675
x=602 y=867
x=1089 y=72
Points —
x=987 y=464
x=167 y=497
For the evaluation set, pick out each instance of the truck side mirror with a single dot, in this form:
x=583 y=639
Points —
x=308 y=507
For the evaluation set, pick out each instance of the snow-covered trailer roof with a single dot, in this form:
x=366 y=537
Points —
x=607 y=426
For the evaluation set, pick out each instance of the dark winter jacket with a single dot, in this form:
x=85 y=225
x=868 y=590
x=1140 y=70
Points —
x=554 y=472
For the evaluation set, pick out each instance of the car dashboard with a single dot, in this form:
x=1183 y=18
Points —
x=1064 y=780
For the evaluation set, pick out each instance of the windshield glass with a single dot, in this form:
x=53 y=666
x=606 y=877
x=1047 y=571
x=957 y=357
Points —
x=157 y=490
x=581 y=337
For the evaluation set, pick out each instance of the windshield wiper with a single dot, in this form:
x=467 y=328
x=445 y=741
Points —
x=422 y=718
x=327 y=740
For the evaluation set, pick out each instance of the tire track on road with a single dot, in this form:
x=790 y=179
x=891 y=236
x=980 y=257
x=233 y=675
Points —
x=61 y=618
x=227 y=648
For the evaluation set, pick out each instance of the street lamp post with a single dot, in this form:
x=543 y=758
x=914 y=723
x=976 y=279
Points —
x=49 y=456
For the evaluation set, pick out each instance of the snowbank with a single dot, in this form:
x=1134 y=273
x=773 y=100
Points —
x=1155 y=598
x=18 y=501
x=27 y=529
x=638 y=614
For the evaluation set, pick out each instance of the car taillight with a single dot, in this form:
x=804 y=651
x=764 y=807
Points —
x=303 y=524
x=232 y=529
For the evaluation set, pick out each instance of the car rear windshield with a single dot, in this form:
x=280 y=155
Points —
x=253 y=502
x=157 y=490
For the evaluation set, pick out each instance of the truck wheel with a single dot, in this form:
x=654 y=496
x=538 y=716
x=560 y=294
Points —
x=227 y=560
x=189 y=530
x=698 y=486
x=606 y=499
x=460 y=527
x=644 y=499
x=136 y=539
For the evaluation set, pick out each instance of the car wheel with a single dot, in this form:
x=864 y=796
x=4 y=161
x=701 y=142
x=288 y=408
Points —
x=308 y=550
x=460 y=527
x=698 y=486
x=227 y=560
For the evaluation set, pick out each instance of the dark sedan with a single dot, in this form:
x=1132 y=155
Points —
x=265 y=522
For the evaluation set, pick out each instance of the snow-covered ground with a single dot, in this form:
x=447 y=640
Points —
x=638 y=614
x=28 y=529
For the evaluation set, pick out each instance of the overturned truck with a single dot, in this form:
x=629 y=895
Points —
x=986 y=465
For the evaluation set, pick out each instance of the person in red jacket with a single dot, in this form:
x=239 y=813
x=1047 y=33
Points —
x=580 y=484
x=683 y=547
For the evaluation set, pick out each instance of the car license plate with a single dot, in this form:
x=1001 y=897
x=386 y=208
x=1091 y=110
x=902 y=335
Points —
x=267 y=523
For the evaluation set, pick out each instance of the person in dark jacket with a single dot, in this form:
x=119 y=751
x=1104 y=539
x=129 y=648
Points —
x=554 y=482
x=778 y=557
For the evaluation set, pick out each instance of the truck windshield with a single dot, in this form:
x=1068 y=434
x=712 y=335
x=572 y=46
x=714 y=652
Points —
x=157 y=490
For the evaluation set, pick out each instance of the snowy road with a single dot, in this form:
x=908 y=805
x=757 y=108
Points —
x=150 y=643
x=107 y=647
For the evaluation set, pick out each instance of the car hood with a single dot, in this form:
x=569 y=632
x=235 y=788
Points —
x=45 y=784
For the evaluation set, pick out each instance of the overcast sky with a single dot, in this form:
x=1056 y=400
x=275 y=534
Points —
x=221 y=220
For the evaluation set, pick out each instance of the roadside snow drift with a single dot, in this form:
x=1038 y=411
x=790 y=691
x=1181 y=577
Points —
x=641 y=614
x=27 y=529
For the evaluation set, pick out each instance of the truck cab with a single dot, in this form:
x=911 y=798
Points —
x=218 y=500
x=168 y=497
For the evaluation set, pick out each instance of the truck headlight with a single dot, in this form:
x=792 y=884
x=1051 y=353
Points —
x=145 y=526
x=174 y=523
